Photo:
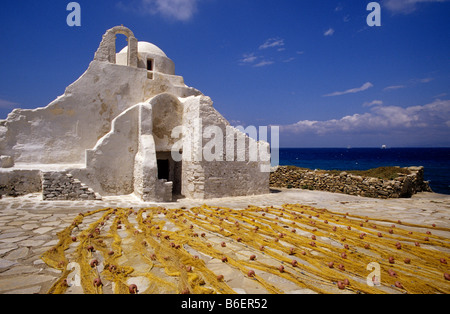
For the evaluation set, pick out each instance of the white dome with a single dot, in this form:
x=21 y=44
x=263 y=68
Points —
x=146 y=47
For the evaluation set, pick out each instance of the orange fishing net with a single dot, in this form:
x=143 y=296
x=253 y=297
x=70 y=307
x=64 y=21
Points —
x=276 y=249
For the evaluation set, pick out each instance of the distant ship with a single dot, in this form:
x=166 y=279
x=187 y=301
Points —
x=383 y=147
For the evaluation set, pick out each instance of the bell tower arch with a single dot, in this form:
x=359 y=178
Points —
x=107 y=49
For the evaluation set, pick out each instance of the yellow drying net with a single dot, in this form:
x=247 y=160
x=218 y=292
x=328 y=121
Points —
x=294 y=247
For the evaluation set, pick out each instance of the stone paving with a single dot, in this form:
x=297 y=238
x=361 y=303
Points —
x=28 y=225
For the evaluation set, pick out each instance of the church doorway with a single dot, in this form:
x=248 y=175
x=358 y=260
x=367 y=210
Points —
x=170 y=170
x=163 y=169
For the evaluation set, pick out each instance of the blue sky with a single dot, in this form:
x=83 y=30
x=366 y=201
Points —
x=315 y=68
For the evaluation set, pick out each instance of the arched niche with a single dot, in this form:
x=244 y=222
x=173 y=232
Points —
x=107 y=49
x=167 y=114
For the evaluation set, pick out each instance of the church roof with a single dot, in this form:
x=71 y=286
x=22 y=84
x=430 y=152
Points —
x=146 y=47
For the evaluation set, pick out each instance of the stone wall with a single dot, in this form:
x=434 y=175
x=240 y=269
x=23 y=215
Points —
x=216 y=164
x=63 y=186
x=6 y=162
x=404 y=186
x=15 y=182
x=233 y=179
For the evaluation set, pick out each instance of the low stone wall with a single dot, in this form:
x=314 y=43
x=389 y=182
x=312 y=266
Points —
x=404 y=186
x=63 y=186
x=19 y=182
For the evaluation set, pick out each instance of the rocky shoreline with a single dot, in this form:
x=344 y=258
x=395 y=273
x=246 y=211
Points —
x=403 y=186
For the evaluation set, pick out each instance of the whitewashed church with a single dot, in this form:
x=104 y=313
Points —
x=112 y=133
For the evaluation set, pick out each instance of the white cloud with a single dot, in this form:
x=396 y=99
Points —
x=329 y=32
x=373 y=103
x=405 y=6
x=263 y=63
x=179 y=10
x=258 y=61
x=271 y=43
x=394 y=87
x=410 y=83
x=426 y=80
x=248 y=58
x=382 y=120
x=289 y=60
x=366 y=86
x=252 y=59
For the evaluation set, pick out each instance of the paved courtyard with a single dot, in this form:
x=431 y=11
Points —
x=29 y=226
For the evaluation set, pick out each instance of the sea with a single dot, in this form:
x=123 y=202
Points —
x=436 y=161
